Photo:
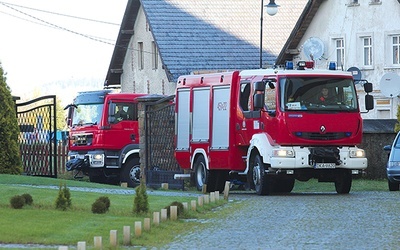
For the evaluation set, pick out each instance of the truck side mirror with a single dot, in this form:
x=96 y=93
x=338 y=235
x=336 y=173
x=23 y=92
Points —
x=259 y=86
x=111 y=112
x=369 y=102
x=368 y=87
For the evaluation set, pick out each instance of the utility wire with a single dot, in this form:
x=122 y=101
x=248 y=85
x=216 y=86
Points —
x=60 y=14
x=57 y=26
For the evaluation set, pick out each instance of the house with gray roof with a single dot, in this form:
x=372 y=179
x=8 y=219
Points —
x=160 y=40
x=360 y=36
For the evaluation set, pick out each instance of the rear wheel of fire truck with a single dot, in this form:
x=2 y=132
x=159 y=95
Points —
x=258 y=179
x=131 y=172
x=202 y=175
x=343 y=181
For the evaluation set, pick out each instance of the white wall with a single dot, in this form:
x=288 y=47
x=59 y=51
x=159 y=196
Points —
x=339 y=19
x=146 y=80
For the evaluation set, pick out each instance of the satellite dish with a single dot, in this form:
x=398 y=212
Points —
x=390 y=85
x=355 y=72
x=313 y=48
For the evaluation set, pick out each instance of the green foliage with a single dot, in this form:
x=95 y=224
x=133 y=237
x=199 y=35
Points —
x=28 y=198
x=101 y=205
x=63 y=201
x=17 y=201
x=10 y=160
x=60 y=115
x=397 y=126
x=178 y=204
x=141 y=203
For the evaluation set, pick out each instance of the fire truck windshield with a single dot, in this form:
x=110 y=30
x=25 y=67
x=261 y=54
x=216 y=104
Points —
x=87 y=114
x=317 y=94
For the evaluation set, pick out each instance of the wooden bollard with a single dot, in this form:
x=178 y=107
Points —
x=204 y=189
x=164 y=213
x=124 y=184
x=200 y=201
x=226 y=190
x=156 y=218
x=62 y=248
x=81 y=245
x=146 y=223
x=173 y=212
x=206 y=199
x=216 y=195
x=138 y=228
x=98 y=242
x=164 y=186
x=127 y=235
x=193 y=205
x=113 y=238
x=212 y=197
x=185 y=206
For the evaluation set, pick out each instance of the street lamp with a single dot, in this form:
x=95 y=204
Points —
x=272 y=9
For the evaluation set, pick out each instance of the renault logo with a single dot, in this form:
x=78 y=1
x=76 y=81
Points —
x=322 y=129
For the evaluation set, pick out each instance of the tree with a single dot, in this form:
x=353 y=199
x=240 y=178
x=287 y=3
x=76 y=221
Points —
x=10 y=160
x=397 y=126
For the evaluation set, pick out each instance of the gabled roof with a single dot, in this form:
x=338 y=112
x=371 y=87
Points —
x=201 y=35
x=298 y=32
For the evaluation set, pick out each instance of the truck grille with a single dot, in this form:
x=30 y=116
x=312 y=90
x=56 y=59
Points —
x=321 y=137
x=83 y=140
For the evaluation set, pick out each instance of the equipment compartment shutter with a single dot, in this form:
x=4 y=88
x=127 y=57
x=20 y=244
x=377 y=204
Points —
x=220 y=118
x=201 y=114
x=182 y=120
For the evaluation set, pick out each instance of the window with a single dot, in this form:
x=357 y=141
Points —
x=339 y=47
x=367 y=51
x=396 y=50
x=140 y=55
x=154 y=53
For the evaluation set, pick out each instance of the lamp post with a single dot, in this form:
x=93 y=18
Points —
x=272 y=9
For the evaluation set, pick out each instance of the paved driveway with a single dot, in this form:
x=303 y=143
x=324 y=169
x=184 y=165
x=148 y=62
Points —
x=359 y=220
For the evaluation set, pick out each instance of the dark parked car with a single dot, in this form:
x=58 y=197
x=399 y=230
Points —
x=393 y=164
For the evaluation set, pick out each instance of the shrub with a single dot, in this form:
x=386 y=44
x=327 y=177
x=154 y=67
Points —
x=63 y=201
x=99 y=207
x=17 y=201
x=141 y=203
x=178 y=204
x=10 y=160
x=106 y=201
x=28 y=199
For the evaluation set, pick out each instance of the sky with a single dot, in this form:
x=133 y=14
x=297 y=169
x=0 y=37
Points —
x=48 y=45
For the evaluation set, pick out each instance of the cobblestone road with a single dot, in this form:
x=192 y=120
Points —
x=360 y=220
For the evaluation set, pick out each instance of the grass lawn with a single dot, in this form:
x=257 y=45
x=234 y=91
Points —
x=41 y=223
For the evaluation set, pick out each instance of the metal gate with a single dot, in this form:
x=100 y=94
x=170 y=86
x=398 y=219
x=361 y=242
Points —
x=160 y=132
x=37 y=138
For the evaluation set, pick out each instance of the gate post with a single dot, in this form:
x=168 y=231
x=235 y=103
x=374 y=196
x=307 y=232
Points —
x=145 y=104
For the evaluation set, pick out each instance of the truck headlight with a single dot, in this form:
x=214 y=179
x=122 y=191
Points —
x=357 y=153
x=288 y=153
x=97 y=160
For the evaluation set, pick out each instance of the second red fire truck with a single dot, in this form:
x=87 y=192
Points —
x=270 y=127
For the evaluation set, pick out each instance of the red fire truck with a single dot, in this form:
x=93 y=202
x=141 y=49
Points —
x=269 y=127
x=104 y=137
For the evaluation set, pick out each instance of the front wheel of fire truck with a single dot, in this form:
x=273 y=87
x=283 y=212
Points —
x=131 y=172
x=258 y=179
x=343 y=181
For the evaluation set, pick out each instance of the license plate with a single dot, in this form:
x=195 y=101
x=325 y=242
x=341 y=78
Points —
x=324 y=165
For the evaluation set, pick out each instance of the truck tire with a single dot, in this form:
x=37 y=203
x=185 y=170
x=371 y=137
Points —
x=343 y=181
x=284 y=185
x=262 y=182
x=393 y=186
x=203 y=176
x=131 y=172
